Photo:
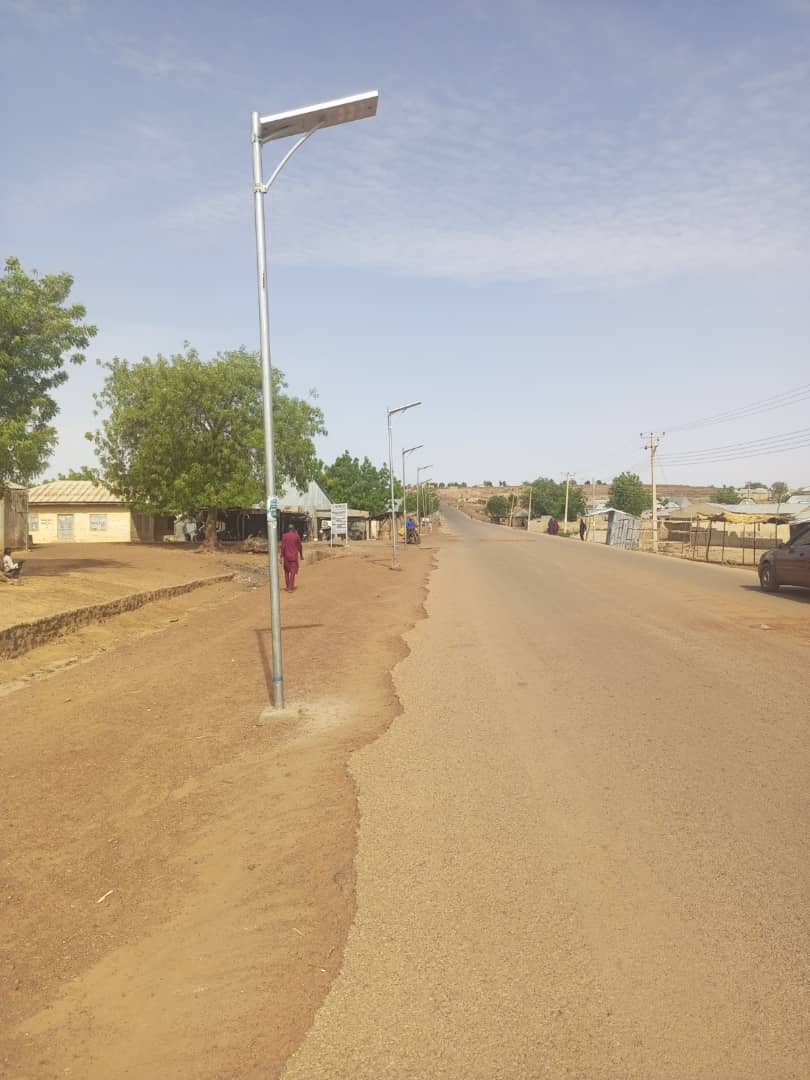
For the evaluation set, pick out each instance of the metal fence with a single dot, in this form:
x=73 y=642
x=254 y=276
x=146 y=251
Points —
x=716 y=541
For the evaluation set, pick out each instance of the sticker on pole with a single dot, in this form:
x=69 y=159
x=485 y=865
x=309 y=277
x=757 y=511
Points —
x=272 y=509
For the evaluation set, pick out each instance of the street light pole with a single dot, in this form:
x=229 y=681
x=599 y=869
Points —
x=393 y=412
x=410 y=450
x=301 y=122
x=419 y=469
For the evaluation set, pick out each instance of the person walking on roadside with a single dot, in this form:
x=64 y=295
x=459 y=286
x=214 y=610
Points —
x=291 y=549
x=10 y=568
x=583 y=528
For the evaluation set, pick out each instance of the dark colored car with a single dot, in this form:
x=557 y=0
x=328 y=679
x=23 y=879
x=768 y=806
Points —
x=787 y=564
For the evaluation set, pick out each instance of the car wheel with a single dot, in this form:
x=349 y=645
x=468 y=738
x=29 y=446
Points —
x=767 y=578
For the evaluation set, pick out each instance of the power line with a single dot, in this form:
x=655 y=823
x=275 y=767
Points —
x=745 y=444
x=791 y=440
x=778 y=401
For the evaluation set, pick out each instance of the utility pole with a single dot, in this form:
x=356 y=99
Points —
x=529 y=518
x=652 y=445
x=567 y=487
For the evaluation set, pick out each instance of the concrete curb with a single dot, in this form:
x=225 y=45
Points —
x=22 y=637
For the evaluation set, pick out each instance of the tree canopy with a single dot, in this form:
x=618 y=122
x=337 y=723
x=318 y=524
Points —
x=39 y=333
x=181 y=434
x=360 y=484
x=627 y=493
x=726 y=495
x=498 y=507
x=548 y=498
x=84 y=473
x=780 y=490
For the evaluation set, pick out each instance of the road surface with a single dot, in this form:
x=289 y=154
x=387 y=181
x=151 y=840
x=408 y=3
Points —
x=583 y=848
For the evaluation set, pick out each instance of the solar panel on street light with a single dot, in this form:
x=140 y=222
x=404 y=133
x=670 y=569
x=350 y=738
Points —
x=327 y=114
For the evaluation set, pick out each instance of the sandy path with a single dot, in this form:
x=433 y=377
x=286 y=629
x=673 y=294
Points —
x=177 y=881
x=583 y=847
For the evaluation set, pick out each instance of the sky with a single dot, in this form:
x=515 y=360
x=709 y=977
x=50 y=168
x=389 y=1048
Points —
x=569 y=223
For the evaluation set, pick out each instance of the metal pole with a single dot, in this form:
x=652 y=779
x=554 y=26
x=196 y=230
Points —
x=653 y=449
x=393 y=511
x=267 y=405
x=567 y=484
x=417 y=497
x=404 y=493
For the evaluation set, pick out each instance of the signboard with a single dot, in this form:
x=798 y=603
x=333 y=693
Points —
x=340 y=519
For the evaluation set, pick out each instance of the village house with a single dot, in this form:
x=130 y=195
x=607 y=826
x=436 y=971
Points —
x=79 y=511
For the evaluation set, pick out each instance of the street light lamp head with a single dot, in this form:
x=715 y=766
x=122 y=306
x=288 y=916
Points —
x=404 y=408
x=411 y=449
x=327 y=114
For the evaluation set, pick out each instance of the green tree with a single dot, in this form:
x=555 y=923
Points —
x=548 y=498
x=84 y=473
x=498 y=507
x=39 y=333
x=779 y=490
x=360 y=484
x=628 y=493
x=487 y=483
x=180 y=434
x=726 y=495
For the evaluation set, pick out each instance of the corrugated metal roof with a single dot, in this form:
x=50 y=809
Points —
x=71 y=491
x=290 y=499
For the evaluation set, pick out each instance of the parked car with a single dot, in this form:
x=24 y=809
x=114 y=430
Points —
x=787 y=564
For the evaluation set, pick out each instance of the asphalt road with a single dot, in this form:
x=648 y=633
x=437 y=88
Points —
x=583 y=848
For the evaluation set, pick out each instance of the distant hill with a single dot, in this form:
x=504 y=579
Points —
x=476 y=492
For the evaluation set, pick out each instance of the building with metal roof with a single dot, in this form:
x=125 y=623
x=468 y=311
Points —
x=79 y=511
x=83 y=492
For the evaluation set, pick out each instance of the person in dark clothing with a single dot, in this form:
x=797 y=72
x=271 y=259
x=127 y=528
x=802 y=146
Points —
x=290 y=550
x=583 y=528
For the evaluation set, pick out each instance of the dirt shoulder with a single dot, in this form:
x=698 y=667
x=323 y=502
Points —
x=178 y=880
x=58 y=577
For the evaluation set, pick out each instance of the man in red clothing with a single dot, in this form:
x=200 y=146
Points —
x=290 y=550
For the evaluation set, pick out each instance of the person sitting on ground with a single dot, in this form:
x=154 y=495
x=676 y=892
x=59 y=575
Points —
x=10 y=568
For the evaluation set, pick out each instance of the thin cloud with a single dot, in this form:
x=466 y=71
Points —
x=636 y=158
x=44 y=14
x=166 y=58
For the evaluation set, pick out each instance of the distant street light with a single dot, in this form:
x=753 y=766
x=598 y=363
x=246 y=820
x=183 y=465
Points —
x=410 y=450
x=303 y=122
x=393 y=412
x=420 y=469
